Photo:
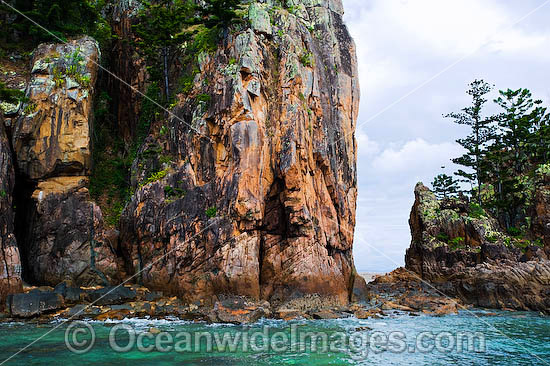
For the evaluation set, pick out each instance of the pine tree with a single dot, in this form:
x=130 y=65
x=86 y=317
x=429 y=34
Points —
x=445 y=186
x=518 y=125
x=474 y=143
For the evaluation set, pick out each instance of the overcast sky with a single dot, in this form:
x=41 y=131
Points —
x=416 y=58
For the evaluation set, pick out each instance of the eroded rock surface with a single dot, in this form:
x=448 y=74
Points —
x=52 y=135
x=464 y=254
x=259 y=197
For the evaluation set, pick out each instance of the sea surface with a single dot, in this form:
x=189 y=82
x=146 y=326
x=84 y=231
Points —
x=485 y=338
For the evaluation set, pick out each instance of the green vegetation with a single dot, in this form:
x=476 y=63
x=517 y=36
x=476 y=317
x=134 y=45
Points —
x=445 y=186
x=211 y=212
x=171 y=192
x=154 y=177
x=3 y=193
x=507 y=153
x=61 y=18
x=456 y=243
x=205 y=98
x=8 y=95
x=481 y=132
x=165 y=26
x=75 y=69
x=476 y=211
x=443 y=237
x=109 y=185
x=307 y=59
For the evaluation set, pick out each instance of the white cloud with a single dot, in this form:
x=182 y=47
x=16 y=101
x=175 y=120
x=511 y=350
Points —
x=415 y=157
x=366 y=147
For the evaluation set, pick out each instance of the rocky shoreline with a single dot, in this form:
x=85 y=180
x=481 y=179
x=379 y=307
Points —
x=397 y=291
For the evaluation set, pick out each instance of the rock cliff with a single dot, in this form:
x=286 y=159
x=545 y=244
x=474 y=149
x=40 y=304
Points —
x=461 y=250
x=246 y=185
x=259 y=196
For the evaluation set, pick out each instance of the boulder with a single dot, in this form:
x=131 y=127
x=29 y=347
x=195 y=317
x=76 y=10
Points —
x=111 y=295
x=238 y=311
x=27 y=305
x=71 y=295
x=360 y=292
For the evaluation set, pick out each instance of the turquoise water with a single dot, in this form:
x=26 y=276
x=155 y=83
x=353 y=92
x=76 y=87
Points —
x=509 y=339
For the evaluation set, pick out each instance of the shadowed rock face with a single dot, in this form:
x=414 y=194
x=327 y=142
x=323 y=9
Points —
x=63 y=221
x=467 y=256
x=272 y=154
x=10 y=264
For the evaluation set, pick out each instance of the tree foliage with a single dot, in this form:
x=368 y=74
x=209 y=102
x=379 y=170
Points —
x=10 y=95
x=445 y=186
x=166 y=28
x=51 y=20
x=504 y=151
x=481 y=133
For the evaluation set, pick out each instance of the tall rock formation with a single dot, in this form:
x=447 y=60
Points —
x=258 y=194
x=461 y=250
x=52 y=144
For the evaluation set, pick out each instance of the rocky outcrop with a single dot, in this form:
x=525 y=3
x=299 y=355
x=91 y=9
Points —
x=10 y=264
x=247 y=187
x=259 y=195
x=61 y=232
x=52 y=136
x=460 y=249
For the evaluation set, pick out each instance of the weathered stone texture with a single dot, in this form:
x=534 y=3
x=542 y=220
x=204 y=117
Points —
x=52 y=135
x=486 y=268
x=273 y=151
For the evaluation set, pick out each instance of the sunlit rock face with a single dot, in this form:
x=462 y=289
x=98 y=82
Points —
x=259 y=195
x=52 y=136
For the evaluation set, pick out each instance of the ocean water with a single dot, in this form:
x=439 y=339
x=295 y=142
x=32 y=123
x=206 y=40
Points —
x=469 y=338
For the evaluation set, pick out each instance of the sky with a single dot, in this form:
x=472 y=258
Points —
x=416 y=59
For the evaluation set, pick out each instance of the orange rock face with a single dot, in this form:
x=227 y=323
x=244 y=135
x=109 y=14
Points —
x=259 y=197
x=52 y=136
